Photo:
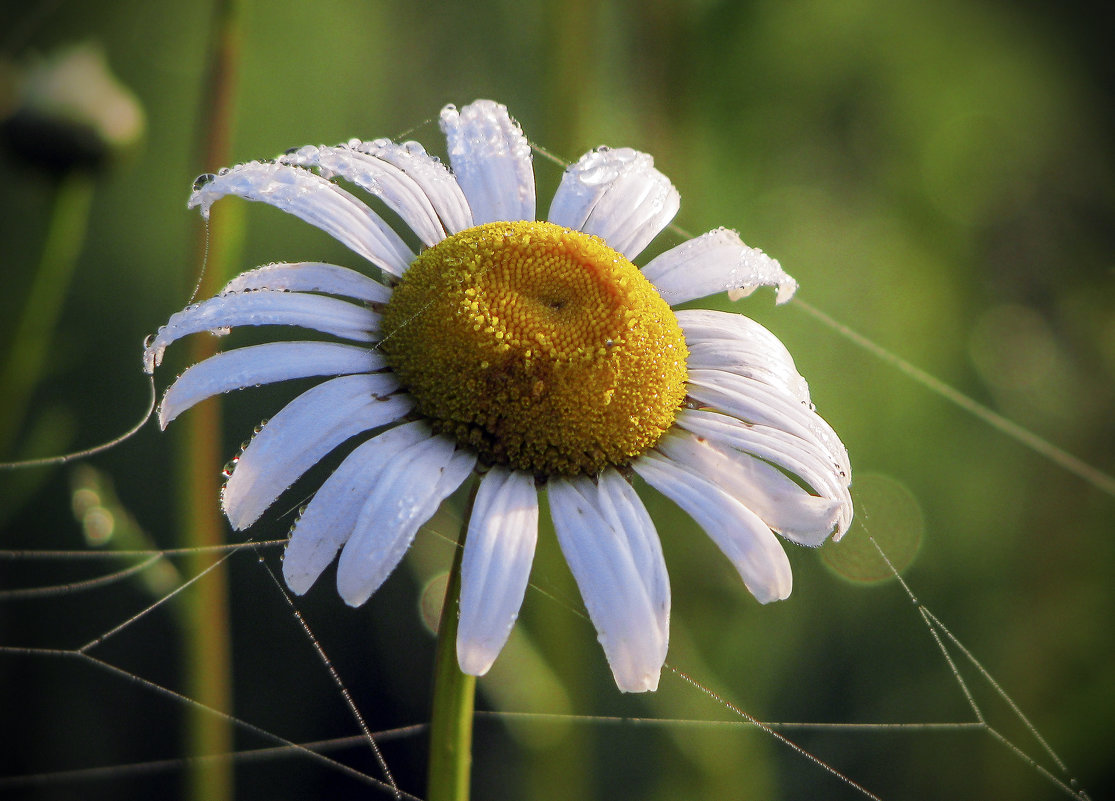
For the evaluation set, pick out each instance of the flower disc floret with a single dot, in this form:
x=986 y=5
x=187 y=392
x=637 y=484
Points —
x=537 y=346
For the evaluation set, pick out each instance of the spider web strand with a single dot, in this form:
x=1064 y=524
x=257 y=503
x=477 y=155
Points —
x=336 y=677
x=1073 y=464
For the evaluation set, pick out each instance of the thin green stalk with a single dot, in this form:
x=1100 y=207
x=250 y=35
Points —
x=23 y=368
x=454 y=694
x=207 y=645
x=206 y=631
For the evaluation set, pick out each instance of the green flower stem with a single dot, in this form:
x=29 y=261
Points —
x=208 y=656
x=454 y=694
x=21 y=371
x=207 y=647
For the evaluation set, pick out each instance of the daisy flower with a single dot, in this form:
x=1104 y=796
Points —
x=534 y=353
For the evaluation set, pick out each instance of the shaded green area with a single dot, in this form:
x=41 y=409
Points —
x=937 y=176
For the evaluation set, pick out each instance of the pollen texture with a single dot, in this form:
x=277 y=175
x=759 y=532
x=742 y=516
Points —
x=539 y=347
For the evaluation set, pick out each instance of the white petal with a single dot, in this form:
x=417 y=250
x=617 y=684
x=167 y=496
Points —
x=310 y=276
x=613 y=551
x=436 y=181
x=709 y=325
x=618 y=195
x=378 y=178
x=492 y=161
x=715 y=262
x=499 y=550
x=315 y=200
x=752 y=401
x=782 y=504
x=758 y=403
x=265 y=307
x=737 y=358
x=406 y=495
x=747 y=542
x=304 y=431
x=263 y=364
x=725 y=341
x=802 y=458
x=713 y=325
x=330 y=517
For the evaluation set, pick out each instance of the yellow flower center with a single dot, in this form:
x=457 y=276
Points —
x=539 y=347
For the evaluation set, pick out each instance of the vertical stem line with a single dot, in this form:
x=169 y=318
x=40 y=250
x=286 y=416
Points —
x=21 y=371
x=207 y=644
x=450 y=766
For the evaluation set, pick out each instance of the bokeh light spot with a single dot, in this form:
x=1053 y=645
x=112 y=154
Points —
x=890 y=514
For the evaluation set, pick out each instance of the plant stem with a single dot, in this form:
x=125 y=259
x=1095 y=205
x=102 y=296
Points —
x=21 y=371
x=207 y=645
x=454 y=693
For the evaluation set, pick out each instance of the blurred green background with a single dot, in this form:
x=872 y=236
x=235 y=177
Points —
x=937 y=176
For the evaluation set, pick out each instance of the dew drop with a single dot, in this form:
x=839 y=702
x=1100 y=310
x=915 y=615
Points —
x=230 y=465
x=203 y=179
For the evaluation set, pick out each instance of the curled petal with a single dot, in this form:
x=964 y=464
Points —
x=617 y=195
x=310 y=276
x=724 y=341
x=431 y=175
x=746 y=540
x=315 y=200
x=265 y=307
x=263 y=364
x=613 y=551
x=715 y=262
x=758 y=403
x=499 y=550
x=800 y=457
x=378 y=178
x=304 y=431
x=738 y=359
x=492 y=161
x=781 y=503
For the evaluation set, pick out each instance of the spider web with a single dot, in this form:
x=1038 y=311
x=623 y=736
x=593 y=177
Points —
x=81 y=616
x=94 y=698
